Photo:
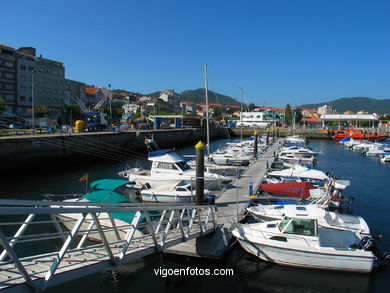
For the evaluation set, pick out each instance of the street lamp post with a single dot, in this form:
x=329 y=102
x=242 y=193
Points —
x=32 y=100
x=109 y=87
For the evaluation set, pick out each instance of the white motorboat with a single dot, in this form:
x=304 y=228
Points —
x=182 y=192
x=349 y=144
x=330 y=220
x=169 y=168
x=301 y=173
x=385 y=158
x=361 y=146
x=374 y=149
x=298 y=240
x=300 y=151
x=291 y=159
x=223 y=157
x=295 y=139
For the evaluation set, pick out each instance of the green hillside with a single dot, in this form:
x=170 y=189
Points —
x=355 y=104
x=198 y=96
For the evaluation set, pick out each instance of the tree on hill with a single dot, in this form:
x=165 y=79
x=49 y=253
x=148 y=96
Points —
x=288 y=115
x=217 y=113
x=251 y=107
x=298 y=115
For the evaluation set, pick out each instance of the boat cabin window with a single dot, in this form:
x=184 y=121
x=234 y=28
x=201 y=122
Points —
x=167 y=166
x=181 y=189
x=279 y=238
x=183 y=166
x=298 y=226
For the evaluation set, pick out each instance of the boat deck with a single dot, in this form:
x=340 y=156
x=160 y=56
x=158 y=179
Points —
x=231 y=206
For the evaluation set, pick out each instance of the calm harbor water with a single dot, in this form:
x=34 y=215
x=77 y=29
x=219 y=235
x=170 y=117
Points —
x=369 y=186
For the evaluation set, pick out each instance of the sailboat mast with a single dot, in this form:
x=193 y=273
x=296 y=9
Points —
x=242 y=97
x=207 y=109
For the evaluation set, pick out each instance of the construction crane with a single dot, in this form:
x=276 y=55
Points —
x=94 y=119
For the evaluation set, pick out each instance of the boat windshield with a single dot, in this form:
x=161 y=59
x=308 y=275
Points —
x=305 y=227
x=183 y=166
x=283 y=223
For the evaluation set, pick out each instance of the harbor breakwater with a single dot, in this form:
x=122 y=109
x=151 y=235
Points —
x=39 y=150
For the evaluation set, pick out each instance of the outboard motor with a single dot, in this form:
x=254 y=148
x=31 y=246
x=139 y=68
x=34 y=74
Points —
x=369 y=244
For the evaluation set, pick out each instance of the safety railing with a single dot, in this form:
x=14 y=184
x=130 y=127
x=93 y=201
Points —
x=43 y=240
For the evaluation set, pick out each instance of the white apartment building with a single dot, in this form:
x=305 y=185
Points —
x=255 y=119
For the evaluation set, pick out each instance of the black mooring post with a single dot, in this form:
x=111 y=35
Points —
x=199 y=172
x=255 y=144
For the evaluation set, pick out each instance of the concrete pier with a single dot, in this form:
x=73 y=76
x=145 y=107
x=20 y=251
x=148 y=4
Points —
x=231 y=206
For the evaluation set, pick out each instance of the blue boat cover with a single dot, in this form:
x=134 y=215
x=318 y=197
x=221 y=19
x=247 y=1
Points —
x=347 y=138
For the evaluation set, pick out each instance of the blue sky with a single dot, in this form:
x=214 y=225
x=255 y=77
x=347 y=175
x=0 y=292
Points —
x=279 y=51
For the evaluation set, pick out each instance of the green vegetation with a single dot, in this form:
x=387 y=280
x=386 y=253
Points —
x=217 y=113
x=298 y=115
x=355 y=104
x=41 y=111
x=198 y=96
x=288 y=115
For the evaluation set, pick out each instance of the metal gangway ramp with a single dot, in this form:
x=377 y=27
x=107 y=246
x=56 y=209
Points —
x=45 y=243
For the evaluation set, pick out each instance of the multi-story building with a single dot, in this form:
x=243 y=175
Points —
x=189 y=108
x=26 y=85
x=172 y=99
x=255 y=119
x=47 y=81
x=8 y=77
x=72 y=89
x=325 y=109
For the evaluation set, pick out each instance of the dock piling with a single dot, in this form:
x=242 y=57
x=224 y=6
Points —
x=255 y=144
x=199 y=172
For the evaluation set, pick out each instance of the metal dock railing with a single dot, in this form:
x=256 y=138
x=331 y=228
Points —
x=47 y=243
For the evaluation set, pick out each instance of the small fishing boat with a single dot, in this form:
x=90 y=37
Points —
x=297 y=240
x=330 y=220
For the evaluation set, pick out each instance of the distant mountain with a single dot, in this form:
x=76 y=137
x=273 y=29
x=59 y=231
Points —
x=198 y=96
x=355 y=104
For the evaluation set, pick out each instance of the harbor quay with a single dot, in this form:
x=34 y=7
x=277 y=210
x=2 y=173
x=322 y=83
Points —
x=25 y=150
